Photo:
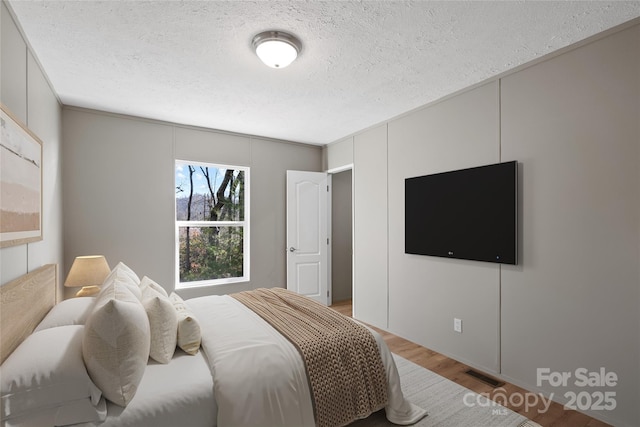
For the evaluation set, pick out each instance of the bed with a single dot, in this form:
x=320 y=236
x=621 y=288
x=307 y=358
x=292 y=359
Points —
x=219 y=360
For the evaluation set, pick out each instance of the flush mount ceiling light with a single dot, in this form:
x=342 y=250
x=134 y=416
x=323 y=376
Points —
x=276 y=49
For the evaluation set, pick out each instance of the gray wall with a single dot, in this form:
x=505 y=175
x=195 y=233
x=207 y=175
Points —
x=571 y=121
x=119 y=192
x=370 y=238
x=574 y=123
x=338 y=154
x=25 y=91
x=430 y=141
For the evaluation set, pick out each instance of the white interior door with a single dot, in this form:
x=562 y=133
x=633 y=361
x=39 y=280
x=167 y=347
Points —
x=307 y=234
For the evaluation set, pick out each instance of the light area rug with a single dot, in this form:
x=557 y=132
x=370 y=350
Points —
x=448 y=404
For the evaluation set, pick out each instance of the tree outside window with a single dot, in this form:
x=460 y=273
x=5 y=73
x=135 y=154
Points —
x=211 y=223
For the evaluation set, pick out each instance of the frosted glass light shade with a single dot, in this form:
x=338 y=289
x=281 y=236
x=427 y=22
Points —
x=276 y=49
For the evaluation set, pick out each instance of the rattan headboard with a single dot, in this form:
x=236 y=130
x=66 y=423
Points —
x=23 y=304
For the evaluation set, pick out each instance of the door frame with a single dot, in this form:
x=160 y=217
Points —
x=330 y=173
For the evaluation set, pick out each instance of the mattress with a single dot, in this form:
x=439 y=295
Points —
x=246 y=373
x=259 y=376
x=179 y=393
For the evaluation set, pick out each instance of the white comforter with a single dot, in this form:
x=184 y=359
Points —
x=259 y=377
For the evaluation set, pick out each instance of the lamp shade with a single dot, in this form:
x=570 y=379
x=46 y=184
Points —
x=276 y=49
x=88 y=270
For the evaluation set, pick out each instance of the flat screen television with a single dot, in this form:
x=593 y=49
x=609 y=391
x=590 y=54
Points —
x=465 y=214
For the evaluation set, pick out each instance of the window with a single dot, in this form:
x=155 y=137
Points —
x=212 y=224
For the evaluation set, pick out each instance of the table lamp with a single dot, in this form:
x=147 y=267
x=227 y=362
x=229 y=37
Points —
x=88 y=272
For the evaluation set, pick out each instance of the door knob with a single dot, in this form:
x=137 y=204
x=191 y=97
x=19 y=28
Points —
x=292 y=249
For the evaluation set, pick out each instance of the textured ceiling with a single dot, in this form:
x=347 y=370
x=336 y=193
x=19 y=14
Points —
x=191 y=62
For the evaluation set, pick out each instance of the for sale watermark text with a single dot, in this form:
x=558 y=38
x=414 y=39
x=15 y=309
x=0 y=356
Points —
x=594 y=398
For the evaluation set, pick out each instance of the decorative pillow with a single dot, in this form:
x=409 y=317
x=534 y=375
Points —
x=46 y=371
x=163 y=322
x=116 y=343
x=148 y=283
x=72 y=311
x=124 y=269
x=188 y=327
x=126 y=276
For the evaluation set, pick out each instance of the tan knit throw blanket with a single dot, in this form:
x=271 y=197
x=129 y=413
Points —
x=345 y=371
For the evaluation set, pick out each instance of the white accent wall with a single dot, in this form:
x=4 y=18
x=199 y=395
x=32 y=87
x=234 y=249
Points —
x=25 y=91
x=572 y=121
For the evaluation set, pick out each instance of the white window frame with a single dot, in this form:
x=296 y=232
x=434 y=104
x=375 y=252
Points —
x=244 y=224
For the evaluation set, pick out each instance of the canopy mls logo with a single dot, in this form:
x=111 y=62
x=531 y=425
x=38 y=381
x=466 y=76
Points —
x=498 y=400
x=595 y=396
x=595 y=400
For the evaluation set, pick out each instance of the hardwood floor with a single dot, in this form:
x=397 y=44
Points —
x=555 y=416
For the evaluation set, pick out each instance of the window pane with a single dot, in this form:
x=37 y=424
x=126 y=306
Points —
x=209 y=193
x=208 y=253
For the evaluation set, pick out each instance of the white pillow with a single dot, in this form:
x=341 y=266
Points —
x=126 y=276
x=188 y=327
x=72 y=311
x=148 y=283
x=163 y=323
x=45 y=372
x=124 y=269
x=116 y=343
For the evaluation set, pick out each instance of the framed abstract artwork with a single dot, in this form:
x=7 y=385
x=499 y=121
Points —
x=20 y=182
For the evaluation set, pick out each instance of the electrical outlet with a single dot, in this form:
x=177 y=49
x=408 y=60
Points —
x=457 y=325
